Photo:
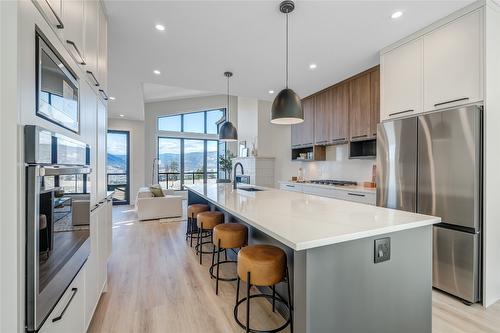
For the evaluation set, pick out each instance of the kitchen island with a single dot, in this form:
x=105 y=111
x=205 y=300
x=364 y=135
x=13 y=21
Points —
x=354 y=267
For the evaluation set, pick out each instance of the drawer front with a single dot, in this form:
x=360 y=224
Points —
x=291 y=187
x=323 y=192
x=68 y=315
x=361 y=197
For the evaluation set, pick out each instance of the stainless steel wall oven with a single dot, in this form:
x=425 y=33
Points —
x=57 y=218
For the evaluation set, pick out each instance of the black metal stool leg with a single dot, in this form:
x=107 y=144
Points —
x=193 y=223
x=290 y=303
x=274 y=298
x=248 y=302
x=237 y=291
x=218 y=266
x=188 y=228
x=213 y=260
x=200 y=245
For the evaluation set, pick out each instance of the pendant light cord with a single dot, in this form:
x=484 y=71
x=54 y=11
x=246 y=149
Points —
x=228 y=98
x=286 y=52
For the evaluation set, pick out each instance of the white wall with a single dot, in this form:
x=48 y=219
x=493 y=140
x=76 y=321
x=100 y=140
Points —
x=157 y=109
x=137 y=152
x=491 y=245
x=11 y=259
x=248 y=121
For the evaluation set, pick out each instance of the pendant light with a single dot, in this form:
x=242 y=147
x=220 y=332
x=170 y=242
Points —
x=287 y=107
x=227 y=131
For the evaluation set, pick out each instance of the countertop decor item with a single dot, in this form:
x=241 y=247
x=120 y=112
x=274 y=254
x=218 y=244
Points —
x=287 y=107
x=227 y=131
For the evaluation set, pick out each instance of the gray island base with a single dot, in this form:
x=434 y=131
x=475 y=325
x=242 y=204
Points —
x=339 y=287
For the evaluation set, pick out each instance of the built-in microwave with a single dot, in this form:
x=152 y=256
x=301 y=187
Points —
x=57 y=218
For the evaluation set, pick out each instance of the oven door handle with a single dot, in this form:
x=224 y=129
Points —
x=73 y=291
x=57 y=171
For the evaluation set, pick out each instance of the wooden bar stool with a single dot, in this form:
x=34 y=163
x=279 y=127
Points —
x=206 y=222
x=264 y=266
x=226 y=236
x=192 y=212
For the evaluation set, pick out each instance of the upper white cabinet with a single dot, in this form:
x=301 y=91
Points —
x=102 y=126
x=73 y=28
x=91 y=39
x=52 y=11
x=103 y=52
x=401 y=80
x=453 y=63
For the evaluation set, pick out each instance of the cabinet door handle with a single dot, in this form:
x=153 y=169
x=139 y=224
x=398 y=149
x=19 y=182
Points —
x=96 y=83
x=103 y=93
x=339 y=140
x=82 y=61
x=359 y=136
x=355 y=194
x=452 y=101
x=290 y=185
x=322 y=141
x=60 y=24
x=400 y=112
x=74 y=291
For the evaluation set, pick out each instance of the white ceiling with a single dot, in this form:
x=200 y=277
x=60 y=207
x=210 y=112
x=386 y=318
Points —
x=205 y=38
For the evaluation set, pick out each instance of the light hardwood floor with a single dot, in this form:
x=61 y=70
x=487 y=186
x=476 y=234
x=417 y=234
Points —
x=155 y=284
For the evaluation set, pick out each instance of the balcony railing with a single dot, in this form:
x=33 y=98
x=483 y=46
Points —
x=172 y=180
x=118 y=182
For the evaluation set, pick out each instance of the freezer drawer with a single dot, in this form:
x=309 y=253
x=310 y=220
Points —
x=456 y=263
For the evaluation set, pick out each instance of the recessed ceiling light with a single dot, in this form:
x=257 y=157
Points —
x=122 y=115
x=397 y=14
x=157 y=72
x=112 y=98
x=313 y=66
x=271 y=91
x=160 y=27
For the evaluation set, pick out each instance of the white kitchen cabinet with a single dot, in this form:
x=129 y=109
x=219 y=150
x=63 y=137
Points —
x=102 y=237
x=355 y=196
x=102 y=54
x=453 y=63
x=92 y=291
x=91 y=43
x=109 y=228
x=321 y=191
x=101 y=149
x=401 y=80
x=73 y=28
x=365 y=197
x=52 y=12
x=68 y=314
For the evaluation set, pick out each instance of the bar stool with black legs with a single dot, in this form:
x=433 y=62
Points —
x=206 y=222
x=263 y=266
x=192 y=212
x=226 y=236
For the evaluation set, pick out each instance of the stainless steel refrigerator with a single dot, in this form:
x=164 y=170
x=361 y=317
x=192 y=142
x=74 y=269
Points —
x=432 y=164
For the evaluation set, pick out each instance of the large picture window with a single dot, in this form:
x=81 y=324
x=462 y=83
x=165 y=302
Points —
x=187 y=161
x=118 y=166
x=202 y=122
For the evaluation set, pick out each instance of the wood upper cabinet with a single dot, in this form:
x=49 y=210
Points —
x=339 y=125
x=453 y=63
x=322 y=117
x=374 y=101
x=359 y=107
x=303 y=133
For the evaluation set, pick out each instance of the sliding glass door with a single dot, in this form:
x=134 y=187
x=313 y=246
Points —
x=187 y=161
x=118 y=169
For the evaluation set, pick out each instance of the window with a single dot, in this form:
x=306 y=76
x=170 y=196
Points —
x=118 y=166
x=187 y=161
x=203 y=122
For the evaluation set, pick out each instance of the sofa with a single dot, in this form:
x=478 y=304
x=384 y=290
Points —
x=149 y=207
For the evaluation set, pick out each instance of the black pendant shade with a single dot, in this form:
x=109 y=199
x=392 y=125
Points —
x=287 y=108
x=228 y=132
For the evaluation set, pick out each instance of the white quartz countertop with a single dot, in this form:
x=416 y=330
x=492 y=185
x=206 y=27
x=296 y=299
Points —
x=303 y=221
x=353 y=188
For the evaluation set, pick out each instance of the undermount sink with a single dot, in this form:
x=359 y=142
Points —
x=250 y=189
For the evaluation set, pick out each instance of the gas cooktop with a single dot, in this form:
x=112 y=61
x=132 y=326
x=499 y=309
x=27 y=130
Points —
x=333 y=182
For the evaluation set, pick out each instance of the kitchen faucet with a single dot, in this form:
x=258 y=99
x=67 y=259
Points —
x=235 y=183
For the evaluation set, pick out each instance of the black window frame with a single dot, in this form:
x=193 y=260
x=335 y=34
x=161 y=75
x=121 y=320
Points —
x=224 y=115
x=127 y=192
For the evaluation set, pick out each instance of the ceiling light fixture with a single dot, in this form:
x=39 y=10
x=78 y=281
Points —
x=287 y=107
x=160 y=27
x=122 y=115
x=227 y=132
x=397 y=14
x=271 y=91
x=313 y=66
x=112 y=98
x=157 y=72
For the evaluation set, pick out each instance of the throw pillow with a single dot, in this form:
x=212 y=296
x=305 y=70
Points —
x=156 y=191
